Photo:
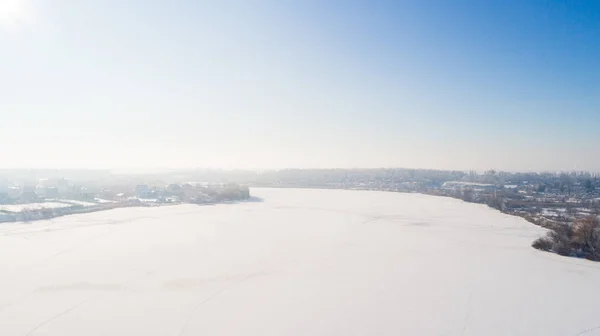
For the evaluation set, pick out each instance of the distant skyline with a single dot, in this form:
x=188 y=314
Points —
x=457 y=85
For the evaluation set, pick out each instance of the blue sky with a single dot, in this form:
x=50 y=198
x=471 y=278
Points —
x=512 y=85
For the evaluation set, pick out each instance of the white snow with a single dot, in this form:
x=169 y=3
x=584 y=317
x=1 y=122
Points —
x=76 y=202
x=147 y=200
x=303 y=262
x=32 y=206
x=100 y=200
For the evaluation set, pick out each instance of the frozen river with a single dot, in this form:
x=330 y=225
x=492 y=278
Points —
x=301 y=262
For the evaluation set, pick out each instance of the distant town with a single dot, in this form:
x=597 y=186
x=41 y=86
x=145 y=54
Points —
x=28 y=199
x=547 y=199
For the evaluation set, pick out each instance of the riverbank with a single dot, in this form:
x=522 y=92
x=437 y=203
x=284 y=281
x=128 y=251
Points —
x=36 y=214
x=30 y=215
x=566 y=237
x=578 y=238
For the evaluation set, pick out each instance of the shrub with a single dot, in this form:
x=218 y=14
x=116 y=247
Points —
x=542 y=243
x=581 y=239
x=586 y=232
x=563 y=250
x=561 y=242
x=593 y=256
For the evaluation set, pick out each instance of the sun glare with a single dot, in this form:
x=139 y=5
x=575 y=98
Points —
x=12 y=12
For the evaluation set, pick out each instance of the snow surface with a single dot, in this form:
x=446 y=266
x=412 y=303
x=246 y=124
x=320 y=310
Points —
x=76 y=202
x=302 y=262
x=33 y=206
x=100 y=200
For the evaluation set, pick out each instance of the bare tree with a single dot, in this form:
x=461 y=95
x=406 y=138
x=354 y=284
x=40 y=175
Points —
x=468 y=195
x=586 y=233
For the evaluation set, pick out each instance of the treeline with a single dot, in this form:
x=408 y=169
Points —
x=28 y=215
x=580 y=239
x=327 y=177
x=424 y=178
x=229 y=192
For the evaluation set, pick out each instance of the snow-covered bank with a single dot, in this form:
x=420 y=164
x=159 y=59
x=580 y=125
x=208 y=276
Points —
x=310 y=262
x=49 y=210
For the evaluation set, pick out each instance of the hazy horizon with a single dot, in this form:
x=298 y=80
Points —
x=168 y=170
x=253 y=85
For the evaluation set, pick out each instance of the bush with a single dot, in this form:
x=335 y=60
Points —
x=563 y=250
x=581 y=239
x=586 y=232
x=593 y=256
x=555 y=241
x=561 y=241
x=542 y=243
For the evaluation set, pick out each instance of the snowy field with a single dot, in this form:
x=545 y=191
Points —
x=33 y=206
x=302 y=262
x=75 y=202
x=51 y=204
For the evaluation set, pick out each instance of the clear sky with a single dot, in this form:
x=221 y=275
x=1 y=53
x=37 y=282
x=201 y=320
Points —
x=512 y=85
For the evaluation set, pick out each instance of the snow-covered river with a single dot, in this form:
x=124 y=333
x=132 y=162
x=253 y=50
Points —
x=301 y=262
